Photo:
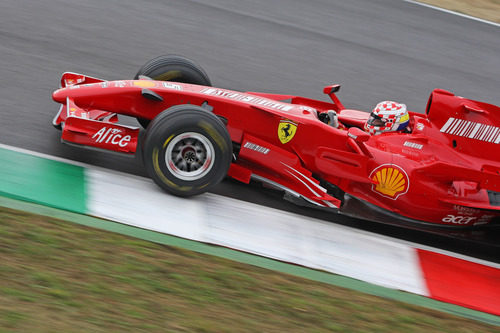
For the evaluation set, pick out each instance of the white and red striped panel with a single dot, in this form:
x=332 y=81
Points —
x=472 y=130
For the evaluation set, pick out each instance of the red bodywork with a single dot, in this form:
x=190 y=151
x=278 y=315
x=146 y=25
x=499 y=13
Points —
x=446 y=171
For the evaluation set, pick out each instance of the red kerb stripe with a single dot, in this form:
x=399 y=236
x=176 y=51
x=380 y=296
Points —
x=461 y=282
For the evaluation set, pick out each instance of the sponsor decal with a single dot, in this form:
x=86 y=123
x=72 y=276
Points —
x=484 y=219
x=170 y=85
x=104 y=84
x=120 y=84
x=459 y=219
x=73 y=112
x=113 y=136
x=247 y=98
x=70 y=81
x=420 y=126
x=390 y=180
x=465 y=210
x=404 y=118
x=256 y=147
x=286 y=130
x=413 y=145
x=471 y=130
x=145 y=84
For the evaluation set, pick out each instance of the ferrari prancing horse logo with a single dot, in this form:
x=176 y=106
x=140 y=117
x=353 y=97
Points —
x=286 y=130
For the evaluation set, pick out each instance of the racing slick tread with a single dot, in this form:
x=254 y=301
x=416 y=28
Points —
x=159 y=65
x=165 y=128
x=184 y=69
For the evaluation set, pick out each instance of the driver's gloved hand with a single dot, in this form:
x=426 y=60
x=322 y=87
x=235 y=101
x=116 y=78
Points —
x=333 y=119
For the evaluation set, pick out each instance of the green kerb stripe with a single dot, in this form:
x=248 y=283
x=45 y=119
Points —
x=251 y=259
x=42 y=181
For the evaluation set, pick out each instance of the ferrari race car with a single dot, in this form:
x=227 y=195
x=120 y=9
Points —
x=444 y=170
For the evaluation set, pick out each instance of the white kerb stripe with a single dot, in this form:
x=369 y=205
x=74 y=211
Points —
x=260 y=230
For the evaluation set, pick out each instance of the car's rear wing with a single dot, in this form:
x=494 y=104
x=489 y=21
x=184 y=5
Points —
x=471 y=127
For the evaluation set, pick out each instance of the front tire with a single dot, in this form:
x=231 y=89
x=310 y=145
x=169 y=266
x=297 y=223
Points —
x=187 y=150
x=173 y=68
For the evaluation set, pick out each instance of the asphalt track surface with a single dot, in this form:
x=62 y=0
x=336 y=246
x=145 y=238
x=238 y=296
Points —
x=377 y=50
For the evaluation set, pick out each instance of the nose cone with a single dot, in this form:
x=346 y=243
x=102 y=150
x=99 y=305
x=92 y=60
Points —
x=60 y=95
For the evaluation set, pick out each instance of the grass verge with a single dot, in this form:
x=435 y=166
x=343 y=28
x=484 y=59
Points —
x=58 y=276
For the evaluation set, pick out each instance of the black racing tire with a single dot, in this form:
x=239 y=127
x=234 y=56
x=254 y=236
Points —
x=173 y=68
x=187 y=150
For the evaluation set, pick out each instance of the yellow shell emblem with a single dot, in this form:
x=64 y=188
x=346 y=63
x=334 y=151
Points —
x=286 y=130
x=390 y=181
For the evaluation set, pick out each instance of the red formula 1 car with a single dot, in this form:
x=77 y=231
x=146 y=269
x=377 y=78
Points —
x=445 y=170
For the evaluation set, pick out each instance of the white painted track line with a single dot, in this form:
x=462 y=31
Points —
x=452 y=12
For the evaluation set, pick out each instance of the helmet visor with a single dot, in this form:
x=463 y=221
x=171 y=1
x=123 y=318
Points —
x=377 y=121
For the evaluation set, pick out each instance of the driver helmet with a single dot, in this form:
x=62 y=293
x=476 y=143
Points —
x=387 y=116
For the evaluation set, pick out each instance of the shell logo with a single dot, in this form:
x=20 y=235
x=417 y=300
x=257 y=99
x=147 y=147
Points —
x=390 y=181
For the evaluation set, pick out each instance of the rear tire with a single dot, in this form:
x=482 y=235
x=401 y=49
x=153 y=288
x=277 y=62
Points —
x=172 y=68
x=187 y=150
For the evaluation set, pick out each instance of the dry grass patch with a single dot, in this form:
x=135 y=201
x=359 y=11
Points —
x=60 y=277
x=484 y=9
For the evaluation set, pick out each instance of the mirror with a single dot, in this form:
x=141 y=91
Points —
x=358 y=134
x=331 y=89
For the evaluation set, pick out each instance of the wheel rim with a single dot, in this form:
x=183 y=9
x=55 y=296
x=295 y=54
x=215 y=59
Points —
x=189 y=156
